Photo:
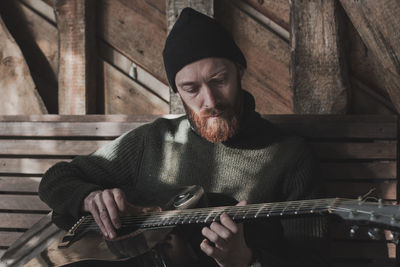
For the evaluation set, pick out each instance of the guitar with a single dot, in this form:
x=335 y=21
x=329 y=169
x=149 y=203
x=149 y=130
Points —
x=140 y=233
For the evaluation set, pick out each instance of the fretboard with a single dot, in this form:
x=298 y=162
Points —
x=236 y=213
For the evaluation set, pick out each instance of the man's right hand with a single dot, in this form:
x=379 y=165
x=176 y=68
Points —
x=106 y=207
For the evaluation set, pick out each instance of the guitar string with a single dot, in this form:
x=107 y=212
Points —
x=204 y=213
x=184 y=214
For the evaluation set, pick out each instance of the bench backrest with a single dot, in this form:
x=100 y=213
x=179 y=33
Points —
x=357 y=153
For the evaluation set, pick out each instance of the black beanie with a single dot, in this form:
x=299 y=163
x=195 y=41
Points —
x=196 y=36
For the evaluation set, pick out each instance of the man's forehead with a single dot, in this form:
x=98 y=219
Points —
x=208 y=66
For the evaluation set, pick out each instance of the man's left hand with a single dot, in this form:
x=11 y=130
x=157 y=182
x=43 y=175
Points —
x=230 y=246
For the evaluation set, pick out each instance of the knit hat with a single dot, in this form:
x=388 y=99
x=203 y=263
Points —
x=196 y=36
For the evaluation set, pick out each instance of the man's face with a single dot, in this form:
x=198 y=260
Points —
x=210 y=91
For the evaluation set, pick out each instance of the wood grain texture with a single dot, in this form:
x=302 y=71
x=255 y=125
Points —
x=7 y=238
x=319 y=77
x=19 y=184
x=19 y=94
x=30 y=166
x=22 y=203
x=134 y=34
x=359 y=170
x=385 y=189
x=18 y=220
x=276 y=10
x=309 y=126
x=345 y=151
x=125 y=96
x=77 y=56
x=375 y=21
x=267 y=55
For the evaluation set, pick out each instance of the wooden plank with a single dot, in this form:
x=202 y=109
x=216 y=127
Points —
x=125 y=96
x=310 y=126
x=318 y=78
x=129 y=68
x=7 y=238
x=81 y=118
x=18 y=220
x=22 y=203
x=19 y=94
x=174 y=8
x=32 y=242
x=40 y=46
x=385 y=190
x=324 y=151
x=77 y=54
x=19 y=184
x=49 y=147
x=276 y=10
x=369 y=170
x=375 y=22
x=362 y=250
x=76 y=129
x=28 y=166
x=134 y=34
x=267 y=75
x=332 y=151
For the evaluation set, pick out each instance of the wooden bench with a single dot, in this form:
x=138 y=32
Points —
x=356 y=153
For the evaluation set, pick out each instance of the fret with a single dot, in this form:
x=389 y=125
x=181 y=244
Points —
x=298 y=208
x=259 y=210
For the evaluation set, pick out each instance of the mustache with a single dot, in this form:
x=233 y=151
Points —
x=210 y=112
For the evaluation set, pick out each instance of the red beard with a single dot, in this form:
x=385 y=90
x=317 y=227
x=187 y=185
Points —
x=216 y=129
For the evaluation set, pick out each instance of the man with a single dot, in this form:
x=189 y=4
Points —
x=222 y=144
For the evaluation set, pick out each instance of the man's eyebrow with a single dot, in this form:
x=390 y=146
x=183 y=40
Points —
x=220 y=71
x=186 y=83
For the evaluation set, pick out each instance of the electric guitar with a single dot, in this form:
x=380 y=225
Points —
x=140 y=233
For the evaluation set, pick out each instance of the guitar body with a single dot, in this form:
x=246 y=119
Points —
x=91 y=245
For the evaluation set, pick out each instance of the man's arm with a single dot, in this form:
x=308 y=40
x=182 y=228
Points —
x=65 y=185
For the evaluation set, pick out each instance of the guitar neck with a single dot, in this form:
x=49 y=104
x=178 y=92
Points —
x=211 y=214
x=237 y=213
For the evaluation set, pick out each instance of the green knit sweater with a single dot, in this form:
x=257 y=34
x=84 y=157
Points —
x=260 y=164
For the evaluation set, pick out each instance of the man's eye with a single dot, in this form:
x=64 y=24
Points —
x=189 y=89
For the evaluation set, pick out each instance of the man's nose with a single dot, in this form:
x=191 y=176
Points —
x=209 y=98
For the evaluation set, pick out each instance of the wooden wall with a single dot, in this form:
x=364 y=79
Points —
x=130 y=35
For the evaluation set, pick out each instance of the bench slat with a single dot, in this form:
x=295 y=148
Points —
x=378 y=127
x=7 y=238
x=324 y=151
x=385 y=190
x=18 y=220
x=332 y=151
x=359 y=170
x=22 y=203
x=332 y=171
x=19 y=184
x=50 y=147
x=26 y=165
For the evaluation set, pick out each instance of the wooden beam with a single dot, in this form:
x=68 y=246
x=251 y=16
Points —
x=318 y=72
x=174 y=7
x=378 y=24
x=77 y=56
x=19 y=94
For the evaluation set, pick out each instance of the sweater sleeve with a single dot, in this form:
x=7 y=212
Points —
x=66 y=184
x=302 y=240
